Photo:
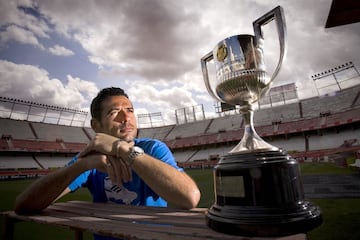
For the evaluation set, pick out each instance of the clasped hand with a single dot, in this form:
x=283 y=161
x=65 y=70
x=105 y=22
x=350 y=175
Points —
x=108 y=154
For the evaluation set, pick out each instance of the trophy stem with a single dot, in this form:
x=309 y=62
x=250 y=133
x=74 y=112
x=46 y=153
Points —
x=251 y=141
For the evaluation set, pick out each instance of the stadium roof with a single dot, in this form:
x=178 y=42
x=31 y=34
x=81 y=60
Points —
x=343 y=12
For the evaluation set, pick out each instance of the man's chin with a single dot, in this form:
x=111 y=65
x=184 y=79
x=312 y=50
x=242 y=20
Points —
x=127 y=138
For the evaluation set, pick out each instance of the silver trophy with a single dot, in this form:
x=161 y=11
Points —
x=258 y=190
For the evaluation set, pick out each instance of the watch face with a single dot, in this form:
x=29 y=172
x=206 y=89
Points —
x=138 y=150
x=133 y=153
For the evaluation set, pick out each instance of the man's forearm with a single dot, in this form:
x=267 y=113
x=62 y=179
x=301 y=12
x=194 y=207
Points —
x=45 y=190
x=174 y=186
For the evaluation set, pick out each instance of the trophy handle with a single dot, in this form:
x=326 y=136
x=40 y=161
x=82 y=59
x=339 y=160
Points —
x=277 y=14
x=208 y=57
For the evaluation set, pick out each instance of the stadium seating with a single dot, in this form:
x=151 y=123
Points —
x=226 y=123
x=49 y=162
x=52 y=132
x=89 y=132
x=204 y=154
x=309 y=129
x=4 y=144
x=74 y=147
x=189 y=129
x=293 y=144
x=337 y=102
x=18 y=129
x=267 y=130
x=156 y=132
x=184 y=156
x=18 y=162
x=36 y=145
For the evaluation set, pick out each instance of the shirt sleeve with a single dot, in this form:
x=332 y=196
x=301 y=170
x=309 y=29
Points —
x=81 y=180
x=161 y=151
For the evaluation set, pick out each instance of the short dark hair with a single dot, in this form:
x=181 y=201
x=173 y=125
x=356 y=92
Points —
x=95 y=107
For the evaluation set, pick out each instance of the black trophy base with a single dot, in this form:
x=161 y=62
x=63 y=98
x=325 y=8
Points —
x=260 y=194
x=264 y=222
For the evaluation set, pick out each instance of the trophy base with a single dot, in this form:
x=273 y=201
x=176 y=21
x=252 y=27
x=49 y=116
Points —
x=264 y=222
x=260 y=194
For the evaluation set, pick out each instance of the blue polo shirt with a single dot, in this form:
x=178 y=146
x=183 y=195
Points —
x=135 y=192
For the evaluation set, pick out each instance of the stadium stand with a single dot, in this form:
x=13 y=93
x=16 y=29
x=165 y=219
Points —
x=16 y=129
x=89 y=132
x=156 y=132
x=189 y=129
x=74 y=147
x=184 y=156
x=4 y=143
x=295 y=144
x=332 y=139
x=208 y=153
x=267 y=130
x=51 y=132
x=337 y=102
x=266 y=116
x=311 y=130
x=226 y=123
x=35 y=145
x=49 y=162
x=18 y=162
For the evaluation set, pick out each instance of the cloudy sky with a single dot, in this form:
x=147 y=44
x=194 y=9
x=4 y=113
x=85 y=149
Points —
x=63 y=52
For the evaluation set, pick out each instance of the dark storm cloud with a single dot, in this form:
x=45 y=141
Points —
x=156 y=39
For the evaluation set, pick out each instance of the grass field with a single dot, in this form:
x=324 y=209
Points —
x=341 y=216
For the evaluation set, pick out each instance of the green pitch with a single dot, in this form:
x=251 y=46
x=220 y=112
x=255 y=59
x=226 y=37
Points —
x=341 y=216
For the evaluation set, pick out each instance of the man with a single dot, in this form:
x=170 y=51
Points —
x=116 y=166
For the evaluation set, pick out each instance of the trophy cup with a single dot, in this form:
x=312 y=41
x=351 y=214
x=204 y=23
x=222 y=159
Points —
x=258 y=189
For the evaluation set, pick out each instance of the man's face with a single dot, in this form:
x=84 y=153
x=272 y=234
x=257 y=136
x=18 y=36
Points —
x=117 y=118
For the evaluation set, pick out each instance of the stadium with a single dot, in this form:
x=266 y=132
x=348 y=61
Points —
x=320 y=132
x=37 y=138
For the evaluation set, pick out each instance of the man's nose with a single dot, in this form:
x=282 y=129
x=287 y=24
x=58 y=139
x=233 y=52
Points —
x=122 y=116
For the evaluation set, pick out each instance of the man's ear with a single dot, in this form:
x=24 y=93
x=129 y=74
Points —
x=95 y=124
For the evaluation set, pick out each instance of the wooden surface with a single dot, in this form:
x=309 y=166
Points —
x=126 y=222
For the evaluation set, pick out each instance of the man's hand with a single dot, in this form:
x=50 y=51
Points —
x=101 y=143
x=104 y=154
x=117 y=169
x=119 y=172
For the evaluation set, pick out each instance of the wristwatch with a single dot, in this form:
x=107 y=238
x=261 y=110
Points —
x=134 y=152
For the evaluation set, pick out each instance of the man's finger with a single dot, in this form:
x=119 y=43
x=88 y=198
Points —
x=126 y=171
x=117 y=168
x=112 y=173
